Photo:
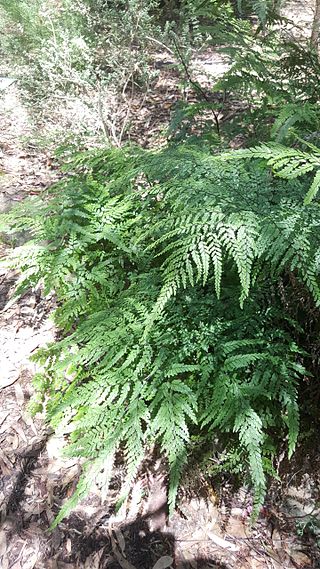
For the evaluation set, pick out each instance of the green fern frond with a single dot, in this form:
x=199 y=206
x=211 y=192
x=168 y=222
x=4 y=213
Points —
x=286 y=162
x=249 y=426
x=313 y=190
x=173 y=406
x=260 y=8
x=166 y=266
x=294 y=114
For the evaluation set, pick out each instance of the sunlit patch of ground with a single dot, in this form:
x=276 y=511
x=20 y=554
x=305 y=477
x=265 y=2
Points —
x=301 y=13
x=210 y=66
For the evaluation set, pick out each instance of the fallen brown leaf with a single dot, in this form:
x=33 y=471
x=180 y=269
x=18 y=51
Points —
x=19 y=394
x=3 y=543
x=93 y=561
x=125 y=564
x=9 y=380
x=163 y=562
x=120 y=539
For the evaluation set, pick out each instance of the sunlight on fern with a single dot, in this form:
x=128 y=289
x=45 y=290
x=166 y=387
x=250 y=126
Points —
x=165 y=266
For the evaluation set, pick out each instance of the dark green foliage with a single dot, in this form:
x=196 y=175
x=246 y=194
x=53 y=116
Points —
x=166 y=267
x=288 y=163
x=277 y=82
x=189 y=121
x=296 y=118
x=267 y=11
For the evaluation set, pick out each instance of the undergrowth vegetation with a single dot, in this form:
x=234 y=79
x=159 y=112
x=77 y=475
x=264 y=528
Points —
x=69 y=45
x=175 y=270
x=79 y=62
x=167 y=268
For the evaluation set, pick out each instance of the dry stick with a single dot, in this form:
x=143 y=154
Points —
x=314 y=40
x=160 y=44
x=197 y=86
x=102 y=118
x=125 y=121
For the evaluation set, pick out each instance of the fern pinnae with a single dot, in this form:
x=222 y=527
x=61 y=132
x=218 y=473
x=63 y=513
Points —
x=172 y=411
x=288 y=163
x=249 y=426
x=313 y=190
x=215 y=252
x=134 y=437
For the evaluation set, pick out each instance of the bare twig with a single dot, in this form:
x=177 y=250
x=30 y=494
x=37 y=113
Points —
x=196 y=86
x=160 y=44
x=101 y=116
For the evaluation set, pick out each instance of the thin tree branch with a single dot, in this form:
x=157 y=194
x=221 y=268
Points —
x=196 y=86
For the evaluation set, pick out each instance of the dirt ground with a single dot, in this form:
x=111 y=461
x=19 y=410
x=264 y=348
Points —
x=211 y=527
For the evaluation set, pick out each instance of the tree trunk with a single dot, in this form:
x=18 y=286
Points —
x=316 y=26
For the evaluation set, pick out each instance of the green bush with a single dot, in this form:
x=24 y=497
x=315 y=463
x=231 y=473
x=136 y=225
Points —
x=271 y=67
x=266 y=10
x=167 y=268
x=276 y=80
x=72 y=45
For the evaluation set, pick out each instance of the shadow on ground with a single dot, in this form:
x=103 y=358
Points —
x=76 y=545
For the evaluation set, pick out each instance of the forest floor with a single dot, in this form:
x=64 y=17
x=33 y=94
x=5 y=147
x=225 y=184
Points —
x=211 y=527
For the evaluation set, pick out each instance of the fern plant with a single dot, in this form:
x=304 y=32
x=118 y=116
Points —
x=277 y=80
x=263 y=9
x=295 y=118
x=270 y=66
x=288 y=163
x=166 y=267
